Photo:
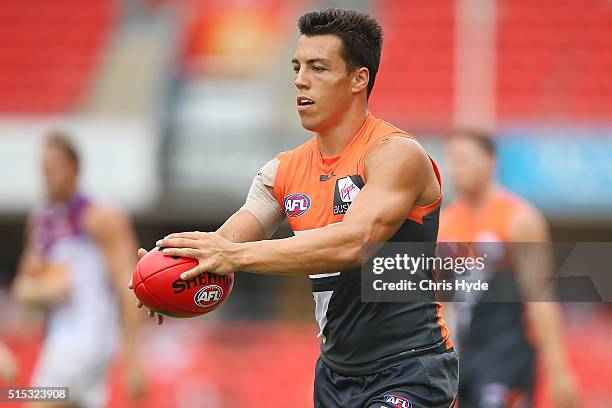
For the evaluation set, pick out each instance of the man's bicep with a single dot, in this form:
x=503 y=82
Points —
x=380 y=210
x=242 y=226
x=395 y=173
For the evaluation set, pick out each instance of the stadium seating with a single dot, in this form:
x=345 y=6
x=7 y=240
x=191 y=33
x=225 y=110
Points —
x=554 y=60
x=49 y=51
x=414 y=87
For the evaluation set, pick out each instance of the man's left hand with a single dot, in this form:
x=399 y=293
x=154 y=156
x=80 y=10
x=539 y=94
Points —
x=213 y=252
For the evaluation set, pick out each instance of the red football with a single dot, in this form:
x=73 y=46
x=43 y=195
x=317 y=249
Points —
x=158 y=285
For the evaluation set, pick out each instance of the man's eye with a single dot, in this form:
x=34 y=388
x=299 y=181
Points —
x=318 y=69
x=296 y=69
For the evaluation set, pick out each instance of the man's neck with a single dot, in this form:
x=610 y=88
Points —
x=64 y=197
x=333 y=140
x=478 y=199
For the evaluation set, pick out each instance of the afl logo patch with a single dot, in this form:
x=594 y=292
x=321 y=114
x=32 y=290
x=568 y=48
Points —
x=397 y=401
x=296 y=204
x=208 y=295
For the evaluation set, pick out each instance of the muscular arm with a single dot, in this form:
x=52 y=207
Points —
x=115 y=237
x=258 y=218
x=534 y=266
x=242 y=227
x=398 y=172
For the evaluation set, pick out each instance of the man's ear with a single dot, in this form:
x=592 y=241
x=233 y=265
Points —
x=361 y=77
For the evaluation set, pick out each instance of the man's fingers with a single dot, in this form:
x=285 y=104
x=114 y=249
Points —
x=141 y=252
x=176 y=243
x=183 y=252
x=188 y=235
x=159 y=317
x=198 y=270
x=131 y=284
x=138 y=303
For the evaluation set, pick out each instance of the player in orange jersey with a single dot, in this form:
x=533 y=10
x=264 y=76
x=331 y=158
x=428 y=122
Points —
x=357 y=182
x=498 y=357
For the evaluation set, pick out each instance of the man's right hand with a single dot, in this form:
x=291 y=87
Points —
x=160 y=318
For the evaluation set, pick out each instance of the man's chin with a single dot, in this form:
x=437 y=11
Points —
x=309 y=125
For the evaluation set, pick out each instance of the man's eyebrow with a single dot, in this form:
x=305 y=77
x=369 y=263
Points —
x=312 y=61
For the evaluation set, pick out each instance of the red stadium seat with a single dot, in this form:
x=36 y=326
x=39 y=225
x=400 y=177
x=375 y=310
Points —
x=554 y=61
x=414 y=86
x=50 y=50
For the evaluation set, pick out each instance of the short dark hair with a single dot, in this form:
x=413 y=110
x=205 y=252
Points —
x=61 y=140
x=481 y=137
x=361 y=35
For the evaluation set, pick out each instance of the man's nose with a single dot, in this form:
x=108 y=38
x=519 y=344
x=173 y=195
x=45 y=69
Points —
x=301 y=80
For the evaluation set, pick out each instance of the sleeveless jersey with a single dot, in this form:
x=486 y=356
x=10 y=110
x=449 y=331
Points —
x=88 y=318
x=487 y=321
x=357 y=338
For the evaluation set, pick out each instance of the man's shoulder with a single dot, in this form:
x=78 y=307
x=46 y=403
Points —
x=511 y=201
x=99 y=218
x=382 y=132
x=382 y=128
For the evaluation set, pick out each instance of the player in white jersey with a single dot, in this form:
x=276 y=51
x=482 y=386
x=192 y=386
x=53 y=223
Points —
x=74 y=264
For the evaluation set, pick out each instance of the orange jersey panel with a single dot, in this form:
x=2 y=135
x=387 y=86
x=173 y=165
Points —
x=317 y=191
x=491 y=223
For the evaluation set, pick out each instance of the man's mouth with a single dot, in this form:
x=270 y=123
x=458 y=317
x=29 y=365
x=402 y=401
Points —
x=304 y=103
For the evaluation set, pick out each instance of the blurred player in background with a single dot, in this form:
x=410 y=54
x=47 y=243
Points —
x=8 y=364
x=358 y=182
x=495 y=339
x=76 y=259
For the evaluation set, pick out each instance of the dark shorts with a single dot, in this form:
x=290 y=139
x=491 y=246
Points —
x=493 y=378
x=428 y=381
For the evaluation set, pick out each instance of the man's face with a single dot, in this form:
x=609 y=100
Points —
x=471 y=168
x=324 y=86
x=59 y=173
